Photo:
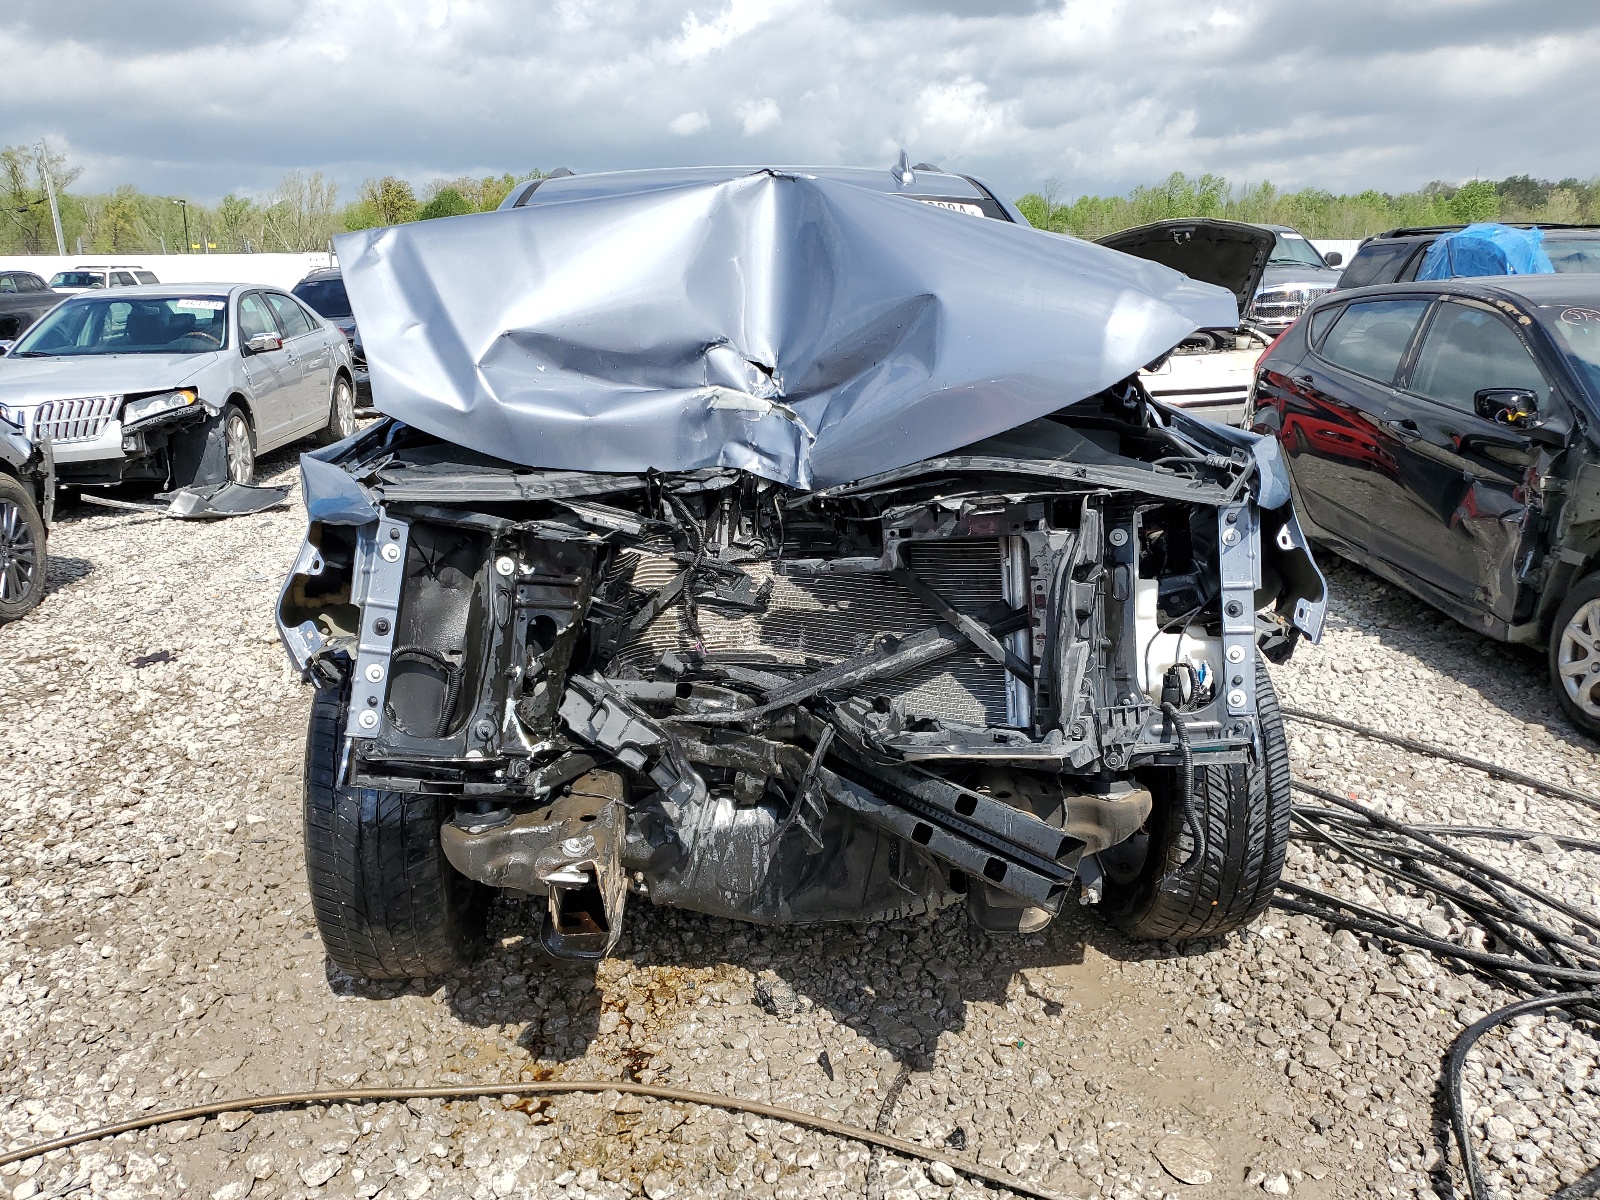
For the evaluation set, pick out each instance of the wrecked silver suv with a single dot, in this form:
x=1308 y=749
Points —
x=772 y=545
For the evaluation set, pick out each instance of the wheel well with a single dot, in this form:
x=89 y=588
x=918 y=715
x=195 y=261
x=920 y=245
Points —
x=243 y=406
x=344 y=374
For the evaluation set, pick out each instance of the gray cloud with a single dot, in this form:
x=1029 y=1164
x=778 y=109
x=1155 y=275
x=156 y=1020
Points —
x=1098 y=94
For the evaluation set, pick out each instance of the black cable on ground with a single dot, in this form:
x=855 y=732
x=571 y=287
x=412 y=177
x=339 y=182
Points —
x=551 y=1087
x=1555 y=960
x=1455 y=1065
x=1493 y=770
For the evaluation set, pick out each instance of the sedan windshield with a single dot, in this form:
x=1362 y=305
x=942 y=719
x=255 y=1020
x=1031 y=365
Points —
x=1293 y=250
x=77 y=279
x=141 y=325
x=1577 y=327
x=327 y=296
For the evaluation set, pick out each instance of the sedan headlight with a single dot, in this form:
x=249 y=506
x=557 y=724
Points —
x=154 y=406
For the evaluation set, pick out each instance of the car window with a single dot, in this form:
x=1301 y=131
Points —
x=1414 y=264
x=1467 y=349
x=1321 y=319
x=327 y=296
x=1370 y=338
x=30 y=283
x=8 y=284
x=255 y=318
x=145 y=277
x=1374 y=263
x=290 y=315
x=123 y=279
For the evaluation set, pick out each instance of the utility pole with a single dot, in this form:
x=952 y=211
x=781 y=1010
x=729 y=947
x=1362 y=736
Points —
x=50 y=191
x=185 y=205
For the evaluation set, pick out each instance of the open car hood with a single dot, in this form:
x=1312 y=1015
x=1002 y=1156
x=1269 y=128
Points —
x=804 y=329
x=1229 y=254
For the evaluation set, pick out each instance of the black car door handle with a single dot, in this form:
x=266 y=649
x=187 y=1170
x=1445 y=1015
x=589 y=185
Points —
x=1405 y=427
x=1306 y=380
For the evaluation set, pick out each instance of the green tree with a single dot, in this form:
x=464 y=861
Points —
x=1475 y=201
x=390 y=200
x=446 y=202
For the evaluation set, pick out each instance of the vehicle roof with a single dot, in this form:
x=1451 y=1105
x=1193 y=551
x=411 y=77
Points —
x=320 y=273
x=167 y=290
x=106 y=267
x=1436 y=230
x=1536 y=290
x=924 y=182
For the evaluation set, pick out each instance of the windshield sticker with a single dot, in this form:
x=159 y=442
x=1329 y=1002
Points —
x=1293 y=237
x=1581 y=316
x=203 y=305
x=953 y=205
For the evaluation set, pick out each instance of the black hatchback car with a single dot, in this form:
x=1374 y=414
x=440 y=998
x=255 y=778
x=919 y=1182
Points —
x=1446 y=436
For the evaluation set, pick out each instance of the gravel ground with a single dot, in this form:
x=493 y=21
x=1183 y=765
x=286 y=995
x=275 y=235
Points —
x=157 y=948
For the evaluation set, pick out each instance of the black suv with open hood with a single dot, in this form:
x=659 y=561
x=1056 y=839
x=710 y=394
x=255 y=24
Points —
x=779 y=545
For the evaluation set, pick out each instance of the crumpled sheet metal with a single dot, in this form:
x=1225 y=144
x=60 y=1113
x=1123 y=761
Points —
x=805 y=330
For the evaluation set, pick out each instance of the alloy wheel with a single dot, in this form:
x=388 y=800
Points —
x=19 y=554
x=344 y=410
x=1578 y=659
x=241 y=454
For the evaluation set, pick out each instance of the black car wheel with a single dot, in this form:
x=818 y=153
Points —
x=22 y=552
x=388 y=903
x=341 y=414
x=1575 y=655
x=1243 y=810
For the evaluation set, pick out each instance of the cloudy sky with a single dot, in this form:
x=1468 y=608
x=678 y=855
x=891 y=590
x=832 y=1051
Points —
x=200 y=98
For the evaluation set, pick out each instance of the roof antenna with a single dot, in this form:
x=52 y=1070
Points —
x=902 y=170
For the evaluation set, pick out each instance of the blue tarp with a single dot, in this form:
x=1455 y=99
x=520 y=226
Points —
x=1486 y=249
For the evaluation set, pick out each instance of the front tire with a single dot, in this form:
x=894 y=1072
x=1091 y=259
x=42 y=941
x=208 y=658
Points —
x=22 y=551
x=341 y=414
x=1575 y=655
x=239 y=444
x=388 y=903
x=1243 y=810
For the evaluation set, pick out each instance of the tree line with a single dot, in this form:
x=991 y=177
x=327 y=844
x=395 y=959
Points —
x=304 y=211
x=1313 y=211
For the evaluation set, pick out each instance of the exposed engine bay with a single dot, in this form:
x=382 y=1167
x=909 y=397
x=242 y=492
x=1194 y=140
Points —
x=963 y=679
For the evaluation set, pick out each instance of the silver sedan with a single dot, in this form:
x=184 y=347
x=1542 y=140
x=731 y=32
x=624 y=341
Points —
x=181 y=385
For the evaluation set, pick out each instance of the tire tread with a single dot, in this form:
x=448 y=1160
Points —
x=387 y=902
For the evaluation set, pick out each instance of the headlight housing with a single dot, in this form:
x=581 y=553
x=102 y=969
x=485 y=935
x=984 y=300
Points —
x=137 y=411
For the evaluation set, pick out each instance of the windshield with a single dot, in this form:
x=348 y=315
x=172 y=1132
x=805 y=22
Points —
x=1577 y=328
x=144 y=325
x=327 y=296
x=1575 y=256
x=1292 y=250
x=78 y=279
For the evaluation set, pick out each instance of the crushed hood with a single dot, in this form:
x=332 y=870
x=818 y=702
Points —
x=1229 y=254
x=806 y=330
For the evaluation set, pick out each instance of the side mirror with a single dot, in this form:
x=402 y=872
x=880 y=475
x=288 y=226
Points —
x=1506 y=406
x=1518 y=408
x=1333 y=258
x=263 y=343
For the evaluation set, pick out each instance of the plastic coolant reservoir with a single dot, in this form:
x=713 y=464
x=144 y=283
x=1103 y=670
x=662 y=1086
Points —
x=1159 y=650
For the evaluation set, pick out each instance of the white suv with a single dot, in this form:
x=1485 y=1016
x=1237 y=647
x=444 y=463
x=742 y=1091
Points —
x=87 y=278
